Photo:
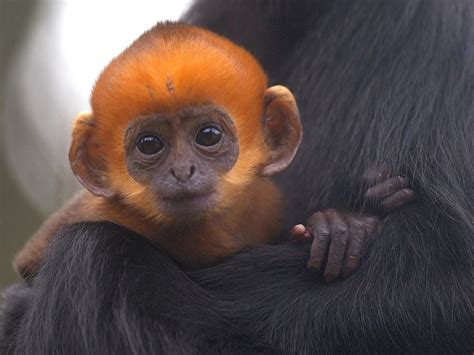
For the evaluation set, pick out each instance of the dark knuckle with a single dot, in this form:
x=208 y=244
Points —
x=340 y=232
x=358 y=229
x=338 y=241
x=323 y=232
x=358 y=234
x=321 y=237
x=335 y=264
x=313 y=219
x=317 y=214
x=358 y=224
x=372 y=220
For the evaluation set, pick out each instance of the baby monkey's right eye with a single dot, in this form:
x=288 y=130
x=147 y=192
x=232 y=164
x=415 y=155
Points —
x=149 y=144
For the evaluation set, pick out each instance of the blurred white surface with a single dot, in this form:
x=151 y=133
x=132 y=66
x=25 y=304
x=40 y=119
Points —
x=51 y=79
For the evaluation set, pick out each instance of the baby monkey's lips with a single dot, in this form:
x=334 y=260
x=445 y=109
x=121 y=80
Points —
x=189 y=204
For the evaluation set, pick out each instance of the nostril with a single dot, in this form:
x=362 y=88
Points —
x=192 y=170
x=173 y=173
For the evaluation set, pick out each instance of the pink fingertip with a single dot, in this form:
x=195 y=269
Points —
x=299 y=229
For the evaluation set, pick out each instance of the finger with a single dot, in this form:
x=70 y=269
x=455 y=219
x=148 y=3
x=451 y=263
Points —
x=299 y=232
x=398 y=199
x=339 y=235
x=371 y=223
x=376 y=175
x=318 y=226
x=355 y=245
x=386 y=188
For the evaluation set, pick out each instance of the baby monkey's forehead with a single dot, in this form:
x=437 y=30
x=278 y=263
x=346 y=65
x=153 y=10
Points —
x=183 y=118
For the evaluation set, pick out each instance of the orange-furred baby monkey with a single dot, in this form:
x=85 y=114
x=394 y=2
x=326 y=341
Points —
x=179 y=146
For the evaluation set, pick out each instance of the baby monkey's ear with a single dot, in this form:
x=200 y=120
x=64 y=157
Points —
x=282 y=129
x=85 y=158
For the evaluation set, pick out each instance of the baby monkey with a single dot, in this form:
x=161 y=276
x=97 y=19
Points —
x=179 y=147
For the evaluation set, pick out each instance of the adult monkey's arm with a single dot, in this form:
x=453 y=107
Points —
x=105 y=290
x=378 y=84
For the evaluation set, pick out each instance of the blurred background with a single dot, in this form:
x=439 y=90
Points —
x=51 y=52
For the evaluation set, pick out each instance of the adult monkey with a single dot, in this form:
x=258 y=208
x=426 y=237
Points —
x=379 y=84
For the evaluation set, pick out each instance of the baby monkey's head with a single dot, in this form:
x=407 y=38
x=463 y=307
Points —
x=182 y=122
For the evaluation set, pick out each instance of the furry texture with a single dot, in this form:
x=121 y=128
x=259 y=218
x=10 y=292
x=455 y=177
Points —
x=187 y=77
x=144 y=303
x=202 y=68
x=385 y=83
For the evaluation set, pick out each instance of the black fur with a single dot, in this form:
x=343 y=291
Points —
x=379 y=83
x=105 y=290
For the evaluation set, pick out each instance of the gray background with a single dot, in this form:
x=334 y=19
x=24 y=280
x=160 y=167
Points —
x=51 y=51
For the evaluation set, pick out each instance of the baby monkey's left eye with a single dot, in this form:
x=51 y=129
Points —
x=208 y=136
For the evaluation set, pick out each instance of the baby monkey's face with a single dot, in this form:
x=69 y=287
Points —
x=181 y=157
x=182 y=123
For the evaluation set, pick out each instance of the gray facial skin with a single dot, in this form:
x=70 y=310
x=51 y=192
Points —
x=182 y=156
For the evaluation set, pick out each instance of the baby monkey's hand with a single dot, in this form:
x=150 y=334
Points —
x=340 y=238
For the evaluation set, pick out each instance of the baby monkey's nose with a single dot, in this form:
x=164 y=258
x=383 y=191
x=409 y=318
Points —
x=183 y=173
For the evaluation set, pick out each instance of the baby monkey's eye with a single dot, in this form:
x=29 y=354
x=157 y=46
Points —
x=149 y=144
x=208 y=136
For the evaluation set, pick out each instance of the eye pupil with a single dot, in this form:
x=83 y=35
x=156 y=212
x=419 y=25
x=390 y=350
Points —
x=149 y=145
x=208 y=136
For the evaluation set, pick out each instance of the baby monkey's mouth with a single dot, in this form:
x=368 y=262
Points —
x=189 y=204
x=186 y=196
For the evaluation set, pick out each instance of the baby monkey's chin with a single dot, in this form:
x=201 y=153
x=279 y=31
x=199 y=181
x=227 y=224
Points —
x=188 y=208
